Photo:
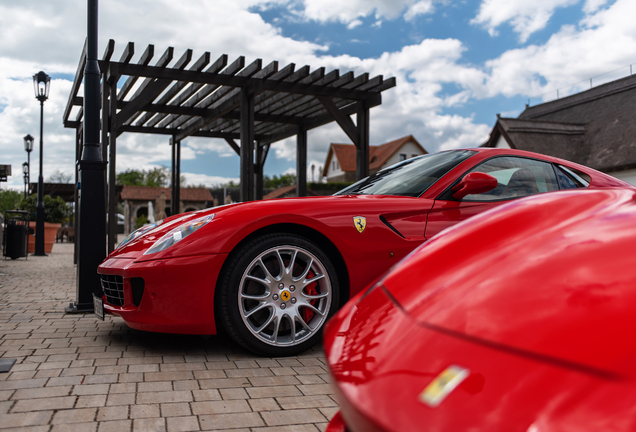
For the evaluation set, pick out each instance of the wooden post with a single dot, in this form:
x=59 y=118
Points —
x=301 y=162
x=362 y=150
x=258 y=172
x=247 y=144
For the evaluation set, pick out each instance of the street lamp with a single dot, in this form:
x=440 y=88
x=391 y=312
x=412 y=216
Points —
x=28 y=147
x=25 y=170
x=41 y=85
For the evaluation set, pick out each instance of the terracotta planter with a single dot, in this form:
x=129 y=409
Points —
x=50 y=230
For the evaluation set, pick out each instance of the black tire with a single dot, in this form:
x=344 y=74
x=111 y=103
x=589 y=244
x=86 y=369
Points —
x=276 y=293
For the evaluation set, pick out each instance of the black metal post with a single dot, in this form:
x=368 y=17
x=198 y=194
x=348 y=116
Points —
x=92 y=194
x=39 y=212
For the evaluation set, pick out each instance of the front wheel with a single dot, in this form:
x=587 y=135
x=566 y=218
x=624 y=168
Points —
x=276 y=294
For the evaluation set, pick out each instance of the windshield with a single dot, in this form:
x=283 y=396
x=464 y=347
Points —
x=411 y=177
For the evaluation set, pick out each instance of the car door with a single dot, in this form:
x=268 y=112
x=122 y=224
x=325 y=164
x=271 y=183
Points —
x=516 y=177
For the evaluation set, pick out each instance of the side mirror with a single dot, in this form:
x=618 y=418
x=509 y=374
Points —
x=474 y=183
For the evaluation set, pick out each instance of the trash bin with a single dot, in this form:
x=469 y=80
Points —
x=16 y=226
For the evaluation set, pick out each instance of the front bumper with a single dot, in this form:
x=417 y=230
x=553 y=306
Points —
x=177 y=294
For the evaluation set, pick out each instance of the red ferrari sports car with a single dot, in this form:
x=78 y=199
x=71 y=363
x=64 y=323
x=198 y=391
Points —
x=521 y=319
x=272 y=272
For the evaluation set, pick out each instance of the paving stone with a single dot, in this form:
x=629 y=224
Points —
x=83 y=415
x=264 y=404
x=50 y=403
x=115 y=426
x=294 y=428
x=113 y=413
x=227 y=421
x=168 y=376
x=224 y=383
x=175 y=409
x=90 y=389
x=234 y=393
x=144 y=411
x=144 y=368
x=240 y=373
x=164 y=397
x=183 y=424
x=318 y=401
x=273 y=381
x=154 y=386
x=315 y=389
x=220 y=407
x=149 y=425
x=22 y=420
x=44 y=392
x=209 y=374
x=121 y=399
x=292 y=417
x=75 y=427
x=277 y=391
x=206 y=395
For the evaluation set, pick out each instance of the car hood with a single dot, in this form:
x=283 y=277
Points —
x=550 y=277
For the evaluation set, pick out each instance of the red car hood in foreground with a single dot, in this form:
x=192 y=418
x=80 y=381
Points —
x=535 y=300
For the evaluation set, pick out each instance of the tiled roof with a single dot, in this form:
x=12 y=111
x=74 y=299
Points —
x=282 y=191
x=378 y=155
x=149 y=193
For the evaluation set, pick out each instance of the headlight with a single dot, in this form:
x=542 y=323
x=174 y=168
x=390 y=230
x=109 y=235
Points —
x=139 y=232
x=178 y=234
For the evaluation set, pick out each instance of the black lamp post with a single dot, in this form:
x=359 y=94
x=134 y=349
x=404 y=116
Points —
x=41 y=85
x=25 y=170
x=28 y=147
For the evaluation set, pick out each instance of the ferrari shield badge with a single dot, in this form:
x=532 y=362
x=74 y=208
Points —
x=443 y=385
x=360 y=222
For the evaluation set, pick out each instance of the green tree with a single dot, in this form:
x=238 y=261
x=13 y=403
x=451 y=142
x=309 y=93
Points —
x=9 y=200
x=275 y=182
x=156 y=177
x=131 y=177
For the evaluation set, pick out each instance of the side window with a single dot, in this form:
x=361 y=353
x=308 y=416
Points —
x=402 y=157
x=569 y=178
x=516 y=177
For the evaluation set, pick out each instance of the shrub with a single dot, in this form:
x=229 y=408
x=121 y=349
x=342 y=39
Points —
x=55 y=209
x=141 y=221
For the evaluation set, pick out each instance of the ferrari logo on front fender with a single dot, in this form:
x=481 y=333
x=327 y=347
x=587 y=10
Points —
x=360 y=222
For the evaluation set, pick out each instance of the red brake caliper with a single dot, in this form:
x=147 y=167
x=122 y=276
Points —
x=307 y=313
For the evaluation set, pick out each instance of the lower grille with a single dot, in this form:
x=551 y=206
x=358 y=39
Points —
x=113 y=287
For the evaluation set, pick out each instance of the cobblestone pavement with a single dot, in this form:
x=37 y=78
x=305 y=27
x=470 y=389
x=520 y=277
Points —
x=77 y=373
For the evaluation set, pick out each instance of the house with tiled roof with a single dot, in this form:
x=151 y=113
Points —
x=144 y=200
x=596 y=128
x=340 y=165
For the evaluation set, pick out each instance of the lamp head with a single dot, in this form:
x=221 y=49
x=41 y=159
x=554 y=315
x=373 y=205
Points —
x=41 y=85
x=28 y=143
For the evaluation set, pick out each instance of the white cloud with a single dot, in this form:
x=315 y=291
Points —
x=349 y=12
x=525 y=17
x=207 y=180
x=602 y=42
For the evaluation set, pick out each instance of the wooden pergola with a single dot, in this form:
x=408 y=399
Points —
x=253 y=104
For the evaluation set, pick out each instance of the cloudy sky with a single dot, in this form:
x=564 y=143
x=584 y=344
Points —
x=457 y=64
